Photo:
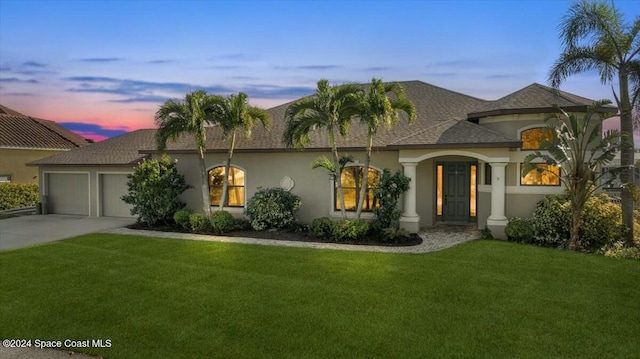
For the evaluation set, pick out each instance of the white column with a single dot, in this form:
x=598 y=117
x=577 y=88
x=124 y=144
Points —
x=497 y=193
x=410 y=220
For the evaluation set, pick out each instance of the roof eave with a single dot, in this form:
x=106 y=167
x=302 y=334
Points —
x=520 y=111
x=515 y=144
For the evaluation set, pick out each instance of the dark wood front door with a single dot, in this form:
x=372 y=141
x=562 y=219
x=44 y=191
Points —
x=456 y=192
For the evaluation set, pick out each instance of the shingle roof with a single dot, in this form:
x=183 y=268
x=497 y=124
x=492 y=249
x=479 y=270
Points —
x=121 y=150
x=534 y=98
x=20 y=131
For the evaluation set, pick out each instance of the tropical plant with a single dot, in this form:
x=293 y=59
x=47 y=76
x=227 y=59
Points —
x=154 y=188
x=391 y=187
x=189 y=117
x=234 y=114
x=578 y=148
x=375 y=109
x=595 y=36
x=331 y=108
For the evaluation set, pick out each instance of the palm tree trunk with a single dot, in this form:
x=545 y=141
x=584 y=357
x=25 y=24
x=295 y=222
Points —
x=574 y=241
x=338 y=173
x=365 y=176
x=204 y=185
x=626 y=156
x=227 y=169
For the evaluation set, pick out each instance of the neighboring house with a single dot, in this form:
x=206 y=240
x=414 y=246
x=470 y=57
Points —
x=24 y=139
x=463 y=155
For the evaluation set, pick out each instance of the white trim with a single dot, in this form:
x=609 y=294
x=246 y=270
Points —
x=45 y=185
x=471 y=154
x=98 y=187
x=535 y=190
x=246 y=185
x=338 y=214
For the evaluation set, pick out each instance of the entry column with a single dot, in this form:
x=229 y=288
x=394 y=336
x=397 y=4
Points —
x=410 y=221
x=497 y=220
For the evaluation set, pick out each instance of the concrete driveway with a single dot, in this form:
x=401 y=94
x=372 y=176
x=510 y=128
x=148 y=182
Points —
x=26 y=231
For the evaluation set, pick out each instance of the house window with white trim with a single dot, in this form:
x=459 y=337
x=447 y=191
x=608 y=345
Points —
x=533 y=137
x=5 y=178
x=235 y=189
x=352 y=178
x=546 y=175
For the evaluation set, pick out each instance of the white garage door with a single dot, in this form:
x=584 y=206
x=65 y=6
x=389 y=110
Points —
x=112 y=188
x=68 y=193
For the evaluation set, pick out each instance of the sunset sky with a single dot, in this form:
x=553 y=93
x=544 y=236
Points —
x=102 y=68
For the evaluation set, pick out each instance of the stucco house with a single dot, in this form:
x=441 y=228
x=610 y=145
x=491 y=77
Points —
x=24 y=139
x=463 y=155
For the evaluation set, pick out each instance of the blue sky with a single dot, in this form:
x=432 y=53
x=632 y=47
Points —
x=104 y=67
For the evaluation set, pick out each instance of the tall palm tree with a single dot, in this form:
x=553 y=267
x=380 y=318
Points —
x=579 y=147
x=332 y=109
x=596 y=37
x=376 y=108
x=234 y=114
x=175 y=118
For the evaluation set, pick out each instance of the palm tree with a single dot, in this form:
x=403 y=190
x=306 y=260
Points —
x=376 y=108
x=175 y=118
x=596 y=37
x=234 y=114
x=580 y=150
x=331 y=108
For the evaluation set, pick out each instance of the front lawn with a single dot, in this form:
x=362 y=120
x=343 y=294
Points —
x=163 y=298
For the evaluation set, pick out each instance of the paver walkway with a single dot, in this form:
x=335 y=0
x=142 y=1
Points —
x=433 y=239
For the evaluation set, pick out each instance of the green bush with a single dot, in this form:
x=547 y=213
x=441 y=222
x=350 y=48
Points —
x=181 y=217
x=350 y=229
x=198 y=222
x=154 y=190
x=272 y=208
x=618 y=250
x=394 y=235
x=519 y=230
x=18 y=195
x=391 y=187
x=322 y=227
x=222 y=222
x=601 y=222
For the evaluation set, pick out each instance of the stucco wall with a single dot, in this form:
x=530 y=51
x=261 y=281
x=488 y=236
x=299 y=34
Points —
x=264 y=170
x=13 y=162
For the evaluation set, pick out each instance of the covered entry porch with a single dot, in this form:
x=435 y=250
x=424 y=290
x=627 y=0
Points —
x=455 y=186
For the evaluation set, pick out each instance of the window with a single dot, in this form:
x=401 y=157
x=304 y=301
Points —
x=533 y=137
x=549 y=175
x=5 y=178
x=352 y=183
x=487 y=173
x=235 y=190
x=472 y=190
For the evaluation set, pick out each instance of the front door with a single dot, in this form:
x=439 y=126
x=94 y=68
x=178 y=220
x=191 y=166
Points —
x=456 y=192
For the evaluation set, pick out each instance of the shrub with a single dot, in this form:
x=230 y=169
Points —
x=322 y=227
x=222 y=222
x=198 y=222
x=181 y=217
x=272 y=208
x=519 y=230
x=387 y=193
x=601 y=222
x=350 y=229
x=394 y=235
x=154 y=188
x=18 y=195
x=618 y=250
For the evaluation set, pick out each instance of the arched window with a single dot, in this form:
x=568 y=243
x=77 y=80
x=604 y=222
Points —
x=235 y=190
x=533 y=137
x=352 y=177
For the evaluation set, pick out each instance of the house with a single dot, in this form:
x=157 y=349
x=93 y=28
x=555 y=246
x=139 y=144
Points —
x=463 y=156
x=24 y=139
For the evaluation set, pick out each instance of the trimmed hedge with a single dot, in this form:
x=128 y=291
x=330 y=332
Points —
x=18 y=195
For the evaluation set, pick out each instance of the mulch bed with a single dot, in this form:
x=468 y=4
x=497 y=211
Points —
x=286 y=235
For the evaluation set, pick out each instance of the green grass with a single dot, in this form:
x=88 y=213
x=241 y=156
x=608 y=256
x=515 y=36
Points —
x=162 y=298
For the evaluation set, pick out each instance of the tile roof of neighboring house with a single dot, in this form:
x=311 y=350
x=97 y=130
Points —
x=121 y=150
x=20 y=131
x=534 y=98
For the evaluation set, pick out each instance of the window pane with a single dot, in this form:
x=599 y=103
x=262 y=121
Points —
x=472 y=192
x=532 y=138
x=439 y=190
x=236 y=196
x=236 y=177
x=548 y=175
x=349 y=200
x=215 y=194
x=349 y=177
